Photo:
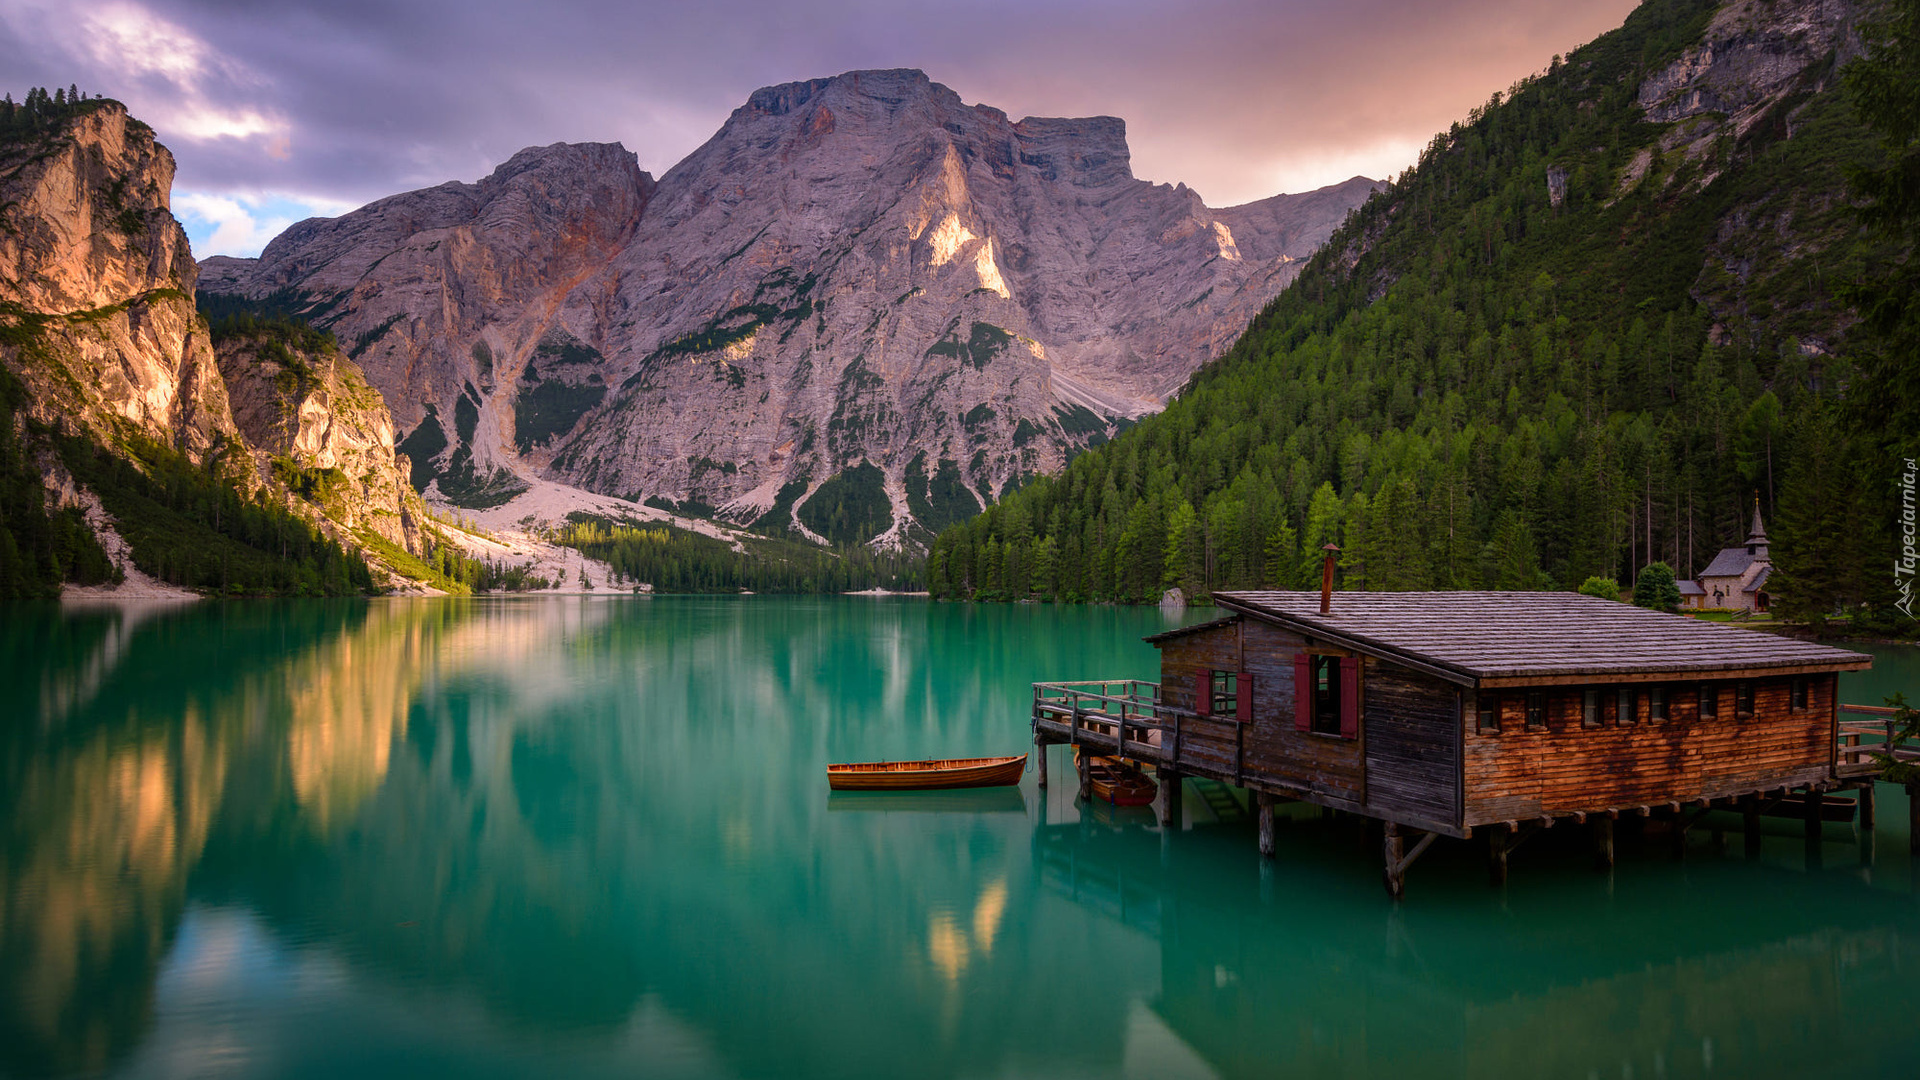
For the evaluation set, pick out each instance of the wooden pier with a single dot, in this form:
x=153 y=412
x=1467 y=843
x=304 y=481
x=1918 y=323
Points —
x=1486 y=716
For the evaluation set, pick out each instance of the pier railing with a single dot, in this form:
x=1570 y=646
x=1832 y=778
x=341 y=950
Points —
x=1861 y=740
x=1124 y=717
x=1128 y=718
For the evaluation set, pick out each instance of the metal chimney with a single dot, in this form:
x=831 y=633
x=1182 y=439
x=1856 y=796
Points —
x=1326 y=579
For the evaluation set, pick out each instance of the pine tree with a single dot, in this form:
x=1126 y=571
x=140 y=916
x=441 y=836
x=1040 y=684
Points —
x=1045 y=560
x=1181 y=551
x=1324 y=519
x=1513 y=560
x=1282 y=558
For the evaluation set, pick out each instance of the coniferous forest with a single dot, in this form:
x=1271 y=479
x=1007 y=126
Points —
x=1566 y=344
x=675 y=560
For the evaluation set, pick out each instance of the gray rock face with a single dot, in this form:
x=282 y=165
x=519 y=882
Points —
x=314 y=423
x=1751 y=55
x=853 y=271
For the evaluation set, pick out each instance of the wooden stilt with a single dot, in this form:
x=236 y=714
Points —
x=1265 y=802
x=1040 y=761
x=1865 y=836
x=1913 y=819
x=1170 y=792
x=1085 y=767
x=1497 y=837
x=1602 y=842
x=1750 y=825
x=1810 y=814
x=1393 y=853
x=1679 y=834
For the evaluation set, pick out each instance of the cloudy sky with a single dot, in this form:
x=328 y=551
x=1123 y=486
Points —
x=283 y=109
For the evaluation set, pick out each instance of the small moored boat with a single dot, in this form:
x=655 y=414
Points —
x=1118 y=782
x=926 y=775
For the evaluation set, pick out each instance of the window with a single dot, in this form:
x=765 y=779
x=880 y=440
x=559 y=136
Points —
x=1743 y=701
x=1656 y=703
x=1623 y=705
x=1489 y=714
x=1799 y=701
x=1590 y=708
x=1709 y=701
x=1326 y=695
x=1226 y=694
x=1536 y=710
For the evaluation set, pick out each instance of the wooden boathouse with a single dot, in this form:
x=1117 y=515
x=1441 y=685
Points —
x=1464 y=714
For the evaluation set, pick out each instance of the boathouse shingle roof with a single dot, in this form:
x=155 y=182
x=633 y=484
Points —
x=1473 y=637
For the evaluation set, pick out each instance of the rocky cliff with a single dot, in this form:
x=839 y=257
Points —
x=858 y=279
x=315 y=425
x=97 y=284
x=99 y=325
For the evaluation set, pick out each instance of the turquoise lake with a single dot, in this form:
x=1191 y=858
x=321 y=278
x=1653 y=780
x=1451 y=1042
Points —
x=592 y=836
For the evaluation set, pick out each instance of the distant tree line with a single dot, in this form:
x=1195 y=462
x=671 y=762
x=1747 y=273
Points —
x=680 y=561
x=41 y=111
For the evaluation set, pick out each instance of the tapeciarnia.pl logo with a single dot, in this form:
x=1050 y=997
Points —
x=1903 y=567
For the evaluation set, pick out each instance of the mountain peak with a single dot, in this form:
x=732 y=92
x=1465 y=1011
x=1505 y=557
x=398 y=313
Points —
x=610 y=155
x=888 y=86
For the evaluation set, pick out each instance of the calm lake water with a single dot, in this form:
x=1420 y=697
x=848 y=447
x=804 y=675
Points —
x=592 y=836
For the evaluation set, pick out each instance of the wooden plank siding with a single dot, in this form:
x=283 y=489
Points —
x=1275 y=754
x=1209 y=743
x=1322 y=765
x=1567 y=768
x=1411 y=724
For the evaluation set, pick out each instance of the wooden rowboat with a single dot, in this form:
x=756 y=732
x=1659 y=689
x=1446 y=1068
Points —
x=1118 y=782
x=926 y=775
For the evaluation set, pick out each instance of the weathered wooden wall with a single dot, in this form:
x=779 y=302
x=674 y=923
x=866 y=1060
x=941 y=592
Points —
x=1519 y=773
x=1325 y=766
x=1412 y=743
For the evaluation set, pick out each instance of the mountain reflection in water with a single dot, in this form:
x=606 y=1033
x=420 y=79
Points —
x=594 y=836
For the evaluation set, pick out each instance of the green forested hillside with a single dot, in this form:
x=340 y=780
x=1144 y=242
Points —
x=675 y=560
x=1570 y=342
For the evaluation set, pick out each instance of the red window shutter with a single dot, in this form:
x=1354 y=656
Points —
x=1244 y=706
x=1349 y=697
x=1302 y=692
x=1203 y=693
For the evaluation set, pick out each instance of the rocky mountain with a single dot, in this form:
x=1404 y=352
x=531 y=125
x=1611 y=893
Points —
x=859 y=284
x=121 y=394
